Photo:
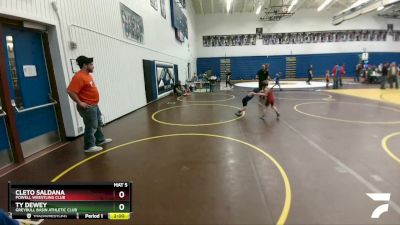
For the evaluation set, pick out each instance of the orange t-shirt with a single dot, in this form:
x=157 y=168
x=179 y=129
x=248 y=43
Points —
x=83 y=85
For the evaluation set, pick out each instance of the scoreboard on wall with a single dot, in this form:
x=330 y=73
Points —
x=111 y=200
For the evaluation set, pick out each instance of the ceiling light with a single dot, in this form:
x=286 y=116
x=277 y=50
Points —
x=357 y=3
x=381 y=6
x=323 y=5
x=363 y=7
x=228 y=5
x=258 y=9
x=294 y=2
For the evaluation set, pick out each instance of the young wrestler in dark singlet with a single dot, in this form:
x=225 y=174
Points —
x=245 y=100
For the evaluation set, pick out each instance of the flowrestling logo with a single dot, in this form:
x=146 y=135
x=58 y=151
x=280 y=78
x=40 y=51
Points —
x=380 y=197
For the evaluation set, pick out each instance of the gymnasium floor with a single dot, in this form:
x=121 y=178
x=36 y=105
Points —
x=195 y=162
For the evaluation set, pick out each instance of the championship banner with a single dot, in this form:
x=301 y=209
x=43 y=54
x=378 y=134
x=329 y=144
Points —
x=298 y=37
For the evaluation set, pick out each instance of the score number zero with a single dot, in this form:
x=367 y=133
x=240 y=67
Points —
x=121 y=194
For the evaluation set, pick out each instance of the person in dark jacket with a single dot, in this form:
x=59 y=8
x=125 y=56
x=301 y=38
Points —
x=309 y=74
x=228 y=79
x=384 y=75
x=262 y=74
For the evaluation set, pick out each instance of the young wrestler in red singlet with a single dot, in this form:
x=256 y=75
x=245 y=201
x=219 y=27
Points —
x=270 y=99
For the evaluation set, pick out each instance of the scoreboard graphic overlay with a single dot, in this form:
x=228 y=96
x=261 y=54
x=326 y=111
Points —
x=109 y=200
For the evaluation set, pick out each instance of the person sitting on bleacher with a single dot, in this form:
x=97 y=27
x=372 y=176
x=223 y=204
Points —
x=208 y=74
x=187 y=89
x=194 y=78
x=180 y=90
